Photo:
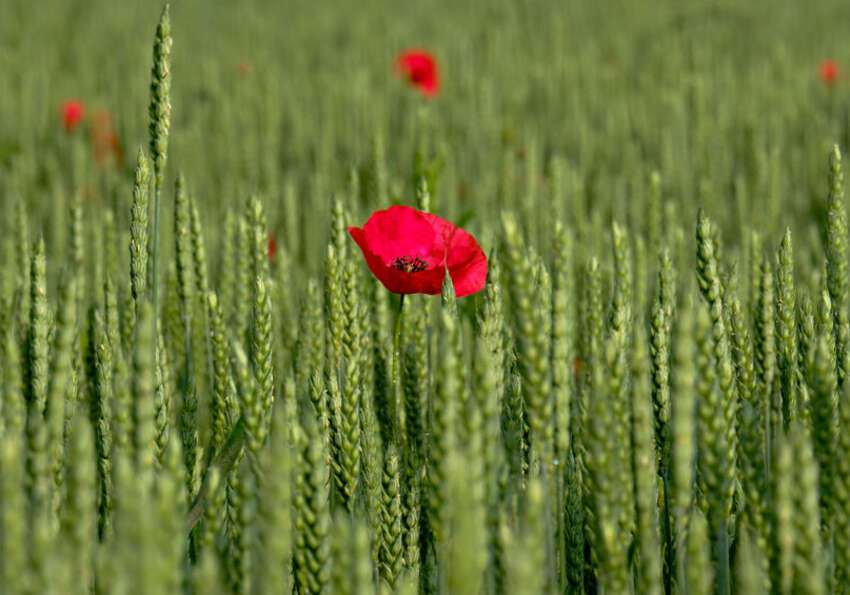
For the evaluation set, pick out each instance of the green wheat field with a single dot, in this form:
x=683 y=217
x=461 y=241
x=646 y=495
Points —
x=204 y=389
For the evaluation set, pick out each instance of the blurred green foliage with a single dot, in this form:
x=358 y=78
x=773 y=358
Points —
x=649 y=396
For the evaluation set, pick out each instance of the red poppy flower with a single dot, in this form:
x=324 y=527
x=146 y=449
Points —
x=72 y=113
x=420 y=68
x=272 y=247
x=104 y=139
x=408 y=251
x=828 y=71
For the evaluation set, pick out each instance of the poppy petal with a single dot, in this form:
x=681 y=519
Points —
x=394 y=237
x=395 y=280
x=400 y=231
x=467 y=264
x=464 y=257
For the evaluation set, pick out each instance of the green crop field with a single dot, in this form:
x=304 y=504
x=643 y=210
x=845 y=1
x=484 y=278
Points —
x=602 y=347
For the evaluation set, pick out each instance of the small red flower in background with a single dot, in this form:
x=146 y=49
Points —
x=104 y=138
x=408 y=251
x=72 y=111
x=420 y=68
x=828 y=71
x=272 y=247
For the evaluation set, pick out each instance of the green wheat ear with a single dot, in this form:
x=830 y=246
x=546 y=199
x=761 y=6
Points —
x=645 y=475
x=750 y=565
x=207 y=575
x=836 y=262
x=185 y=265
x=371 y=457
x=607 y=511
x=222 y=381
x=444 y=422
x=160 y=121
x=764 y=338
x=529 y=282
x=487 y=400
x=101 y=413
x=244 y=570
x=13 y=515
x=122 y=400
x=334 y=314
x=163 y=397
x=751 y=416
x=717 y=416
x=14 y=400
x=227 y=266
x=311 y=555
x=619 y=362
x=563 y=338
x=683 y=434
x=37 y=336
x=660 y=324
x=699 y=574
x=782 y=526
x=841 y=492
x=310 y=344
x=463 y=555
x=345 y=420
x=713 y=292
x=824 y=412
x=275 y=507
x=525 y=548
x=447 y=294
x=79 y=526
x=809 y=563
x=391 y=546
x=352 y=567
x=139 y=228
x=169 y=506
x=261 y=363
x=59 y=386
x=786 y=338
x=39 y=482
x=143 y=389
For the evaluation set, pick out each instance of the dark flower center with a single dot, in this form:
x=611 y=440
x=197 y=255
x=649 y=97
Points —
x=409 y=264
x=420 y=74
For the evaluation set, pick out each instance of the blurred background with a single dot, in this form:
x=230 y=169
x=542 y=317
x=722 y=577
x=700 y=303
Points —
x=549 y=108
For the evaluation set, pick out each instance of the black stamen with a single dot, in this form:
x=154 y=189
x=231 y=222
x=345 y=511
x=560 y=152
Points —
x=409 y=264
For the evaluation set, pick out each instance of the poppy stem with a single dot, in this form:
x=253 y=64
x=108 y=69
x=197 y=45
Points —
x=396 y=349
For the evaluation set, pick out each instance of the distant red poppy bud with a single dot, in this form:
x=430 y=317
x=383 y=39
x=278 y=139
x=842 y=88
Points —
x=104 y=139
x=828 y=71
x=420 y=68
x=408 y=251
x=72 y=113
x=272 y=247
x=577 y=366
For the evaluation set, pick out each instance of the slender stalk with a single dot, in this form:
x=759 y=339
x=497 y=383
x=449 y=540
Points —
x=155 y=251
x=723 y=558
x=667 y=529
x=396 y=352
